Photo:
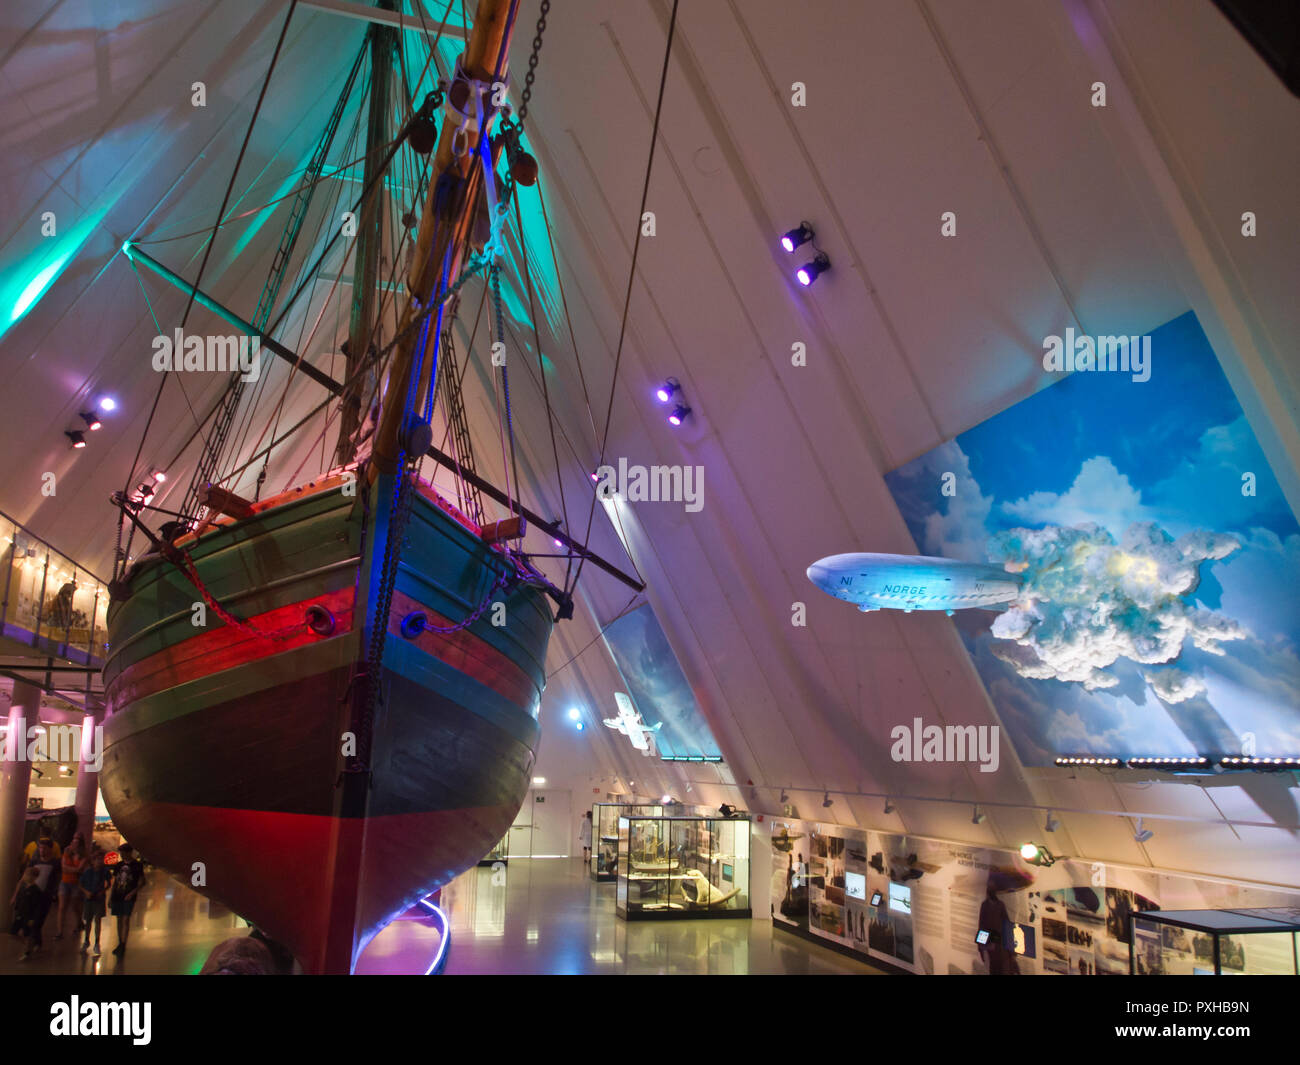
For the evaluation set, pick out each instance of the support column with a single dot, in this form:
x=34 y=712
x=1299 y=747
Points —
x=15 y=778
x=92 y=754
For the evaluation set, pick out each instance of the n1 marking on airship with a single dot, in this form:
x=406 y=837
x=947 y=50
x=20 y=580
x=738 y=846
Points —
x=913 y=582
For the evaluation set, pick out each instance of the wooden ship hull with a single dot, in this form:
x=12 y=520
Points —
x=256 y=765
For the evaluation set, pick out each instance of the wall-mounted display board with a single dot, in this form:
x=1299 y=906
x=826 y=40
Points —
x=927 y=906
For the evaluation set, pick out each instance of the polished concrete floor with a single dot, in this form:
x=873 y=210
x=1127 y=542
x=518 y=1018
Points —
x=535 y=917
x=548 y=916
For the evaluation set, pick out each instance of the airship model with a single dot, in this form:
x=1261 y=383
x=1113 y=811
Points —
x=913 y=582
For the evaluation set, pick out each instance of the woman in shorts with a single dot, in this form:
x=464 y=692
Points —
x=74 y=864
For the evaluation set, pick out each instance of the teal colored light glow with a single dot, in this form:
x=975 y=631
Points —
x=24 y=283
x=36 y=288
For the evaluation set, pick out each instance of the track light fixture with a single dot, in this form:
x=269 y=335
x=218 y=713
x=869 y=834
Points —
x=1051 y=824
x=784 y=797
x=827 y=801
x=1037 y=855
x=1142 y=834
x=91 y=419
x=668 y=389
x=77 y=437
x=678 y=415
x=978 y=817
x=889 y=806
x=810 y=271
x=797 y=237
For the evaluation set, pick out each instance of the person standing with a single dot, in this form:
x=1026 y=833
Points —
x=74 y=864
x=29 y=852
x=128 y=878
x=93 y=885
x=28 y=911
x=584 y=836
x=43 y=873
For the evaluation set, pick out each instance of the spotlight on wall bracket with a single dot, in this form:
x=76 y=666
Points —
x=77 y=437
x=668 y=389
x=91 y=419
x=784 y=797
x=978 y=817
x=809 y=272
x=1142 y=834
x=797 y=237
x=678 y=415
x=827 y=801
x=1037 y=855
x=889 y=806
x=1051 y=824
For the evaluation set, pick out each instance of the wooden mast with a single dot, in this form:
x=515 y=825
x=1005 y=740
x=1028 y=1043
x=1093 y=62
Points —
x=489 y=44
x=362 y=326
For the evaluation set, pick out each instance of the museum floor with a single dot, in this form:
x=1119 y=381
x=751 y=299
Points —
x=536 y=917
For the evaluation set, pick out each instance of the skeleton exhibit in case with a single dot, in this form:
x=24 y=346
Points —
x=682 y=867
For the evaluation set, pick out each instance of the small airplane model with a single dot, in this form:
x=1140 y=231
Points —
x=629 y=723
x=784 y=840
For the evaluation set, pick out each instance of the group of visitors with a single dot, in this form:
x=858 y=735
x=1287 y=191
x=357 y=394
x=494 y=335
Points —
x=86 y=887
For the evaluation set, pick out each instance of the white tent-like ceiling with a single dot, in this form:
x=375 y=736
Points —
x=1111 y=219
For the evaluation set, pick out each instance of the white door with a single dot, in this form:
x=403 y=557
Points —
x=545 y=827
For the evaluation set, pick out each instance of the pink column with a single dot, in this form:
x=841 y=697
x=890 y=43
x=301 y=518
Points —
x=15 y=778
x=88 y=777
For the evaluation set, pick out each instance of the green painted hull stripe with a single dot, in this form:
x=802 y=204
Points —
x=244 y=680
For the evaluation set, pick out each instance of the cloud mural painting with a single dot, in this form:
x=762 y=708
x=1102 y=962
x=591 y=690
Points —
x=1156 y=615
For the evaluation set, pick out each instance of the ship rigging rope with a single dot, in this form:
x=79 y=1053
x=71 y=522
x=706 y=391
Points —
x=246 y=422
x=332 y=175
x=230 y=185
x=631 y=275
x=541 y=371
x=240 y=440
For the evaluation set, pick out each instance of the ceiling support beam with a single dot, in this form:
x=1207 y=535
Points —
x=410 y=23
x=305 y=368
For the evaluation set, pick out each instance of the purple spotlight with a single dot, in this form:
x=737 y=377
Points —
x=666 y=391
x=679 y=413
x=809 y=272
x=797 y=237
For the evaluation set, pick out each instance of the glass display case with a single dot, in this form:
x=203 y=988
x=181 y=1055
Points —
x=604 y=834
x=682 y=867
x=1258 y=942
x=499 y=853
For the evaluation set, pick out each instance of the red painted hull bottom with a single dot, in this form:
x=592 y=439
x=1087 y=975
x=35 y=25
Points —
x=297 y=905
